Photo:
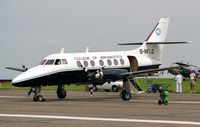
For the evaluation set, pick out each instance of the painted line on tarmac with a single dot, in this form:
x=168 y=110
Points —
x=172 y=102
x=13 y=97
x=100 y=119
x=186 y=102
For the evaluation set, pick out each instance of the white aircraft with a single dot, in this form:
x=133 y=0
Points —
x=97 y=67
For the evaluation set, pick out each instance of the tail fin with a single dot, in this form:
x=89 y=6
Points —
x=157 y=35
x=159 y=32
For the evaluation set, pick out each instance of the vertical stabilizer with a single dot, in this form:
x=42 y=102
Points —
x=158 y=34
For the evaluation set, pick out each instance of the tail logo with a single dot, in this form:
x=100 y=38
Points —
x=158 y=31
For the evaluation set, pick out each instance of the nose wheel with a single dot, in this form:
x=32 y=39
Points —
x=37 y=96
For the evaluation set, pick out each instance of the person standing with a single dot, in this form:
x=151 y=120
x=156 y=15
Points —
x=179 y=81
x=192 y=81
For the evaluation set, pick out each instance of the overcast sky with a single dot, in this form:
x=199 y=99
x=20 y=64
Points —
x=33 y=29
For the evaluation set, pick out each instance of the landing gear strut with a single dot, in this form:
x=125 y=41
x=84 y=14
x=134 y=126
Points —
x=61 y=92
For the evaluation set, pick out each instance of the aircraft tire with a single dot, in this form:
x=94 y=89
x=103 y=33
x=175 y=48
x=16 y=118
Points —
x=125 y=95
x=114 y=88
x=38 y=98
x=61 y=94
x=159 y=102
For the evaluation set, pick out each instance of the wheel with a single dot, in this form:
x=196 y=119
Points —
x=114 y=88
x=126 y=95
x=160 y=102
x=61 y=94
x=38 y=98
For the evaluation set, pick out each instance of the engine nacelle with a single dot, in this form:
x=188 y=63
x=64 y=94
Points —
x=98 y=75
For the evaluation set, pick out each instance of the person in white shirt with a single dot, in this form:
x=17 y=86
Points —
x=179 y=81
x=192 y=81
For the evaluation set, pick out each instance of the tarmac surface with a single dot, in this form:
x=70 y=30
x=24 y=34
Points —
x=103 y=109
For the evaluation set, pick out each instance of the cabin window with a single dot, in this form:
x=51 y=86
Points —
x=92 y=63
x=101 y=62
x=85 y=63
x=64 y=61
x=57 y=62
x=115 y=62
x=122 y=61
x=49 y=62
x=42 y=62
x=79 y=64
x=109 y=62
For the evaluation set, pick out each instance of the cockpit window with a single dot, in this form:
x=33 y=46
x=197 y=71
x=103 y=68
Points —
x=64 y=61
x=42 y=62
x=58 y=62
x=49 y=62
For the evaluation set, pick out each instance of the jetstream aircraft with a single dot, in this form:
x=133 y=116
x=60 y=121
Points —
x=97 y=67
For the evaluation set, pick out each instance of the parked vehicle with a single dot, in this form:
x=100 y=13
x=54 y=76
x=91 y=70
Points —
x=112 y=86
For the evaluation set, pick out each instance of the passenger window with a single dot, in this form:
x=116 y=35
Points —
x=115 y=62
x=58 y=62
x=42 y=62
x=85 y=63
x=78 y=63
x=101 y=62
x=50 y=62
x=64 y=61
x=122 y=61
x=109 y=62
x=92 y=63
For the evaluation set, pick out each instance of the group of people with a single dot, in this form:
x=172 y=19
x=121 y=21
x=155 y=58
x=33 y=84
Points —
x=179 y=81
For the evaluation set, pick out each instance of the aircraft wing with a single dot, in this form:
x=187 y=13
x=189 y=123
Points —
x=182 y=64
x=129 y=74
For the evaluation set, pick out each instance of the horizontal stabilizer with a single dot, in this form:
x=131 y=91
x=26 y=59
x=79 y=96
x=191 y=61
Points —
x=155 y=43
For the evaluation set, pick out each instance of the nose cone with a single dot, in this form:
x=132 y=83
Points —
x=18 y=81
x=27 y=78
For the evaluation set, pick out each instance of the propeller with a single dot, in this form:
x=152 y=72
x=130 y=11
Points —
x=98 y=74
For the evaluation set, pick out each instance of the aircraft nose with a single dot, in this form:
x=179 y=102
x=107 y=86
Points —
x=21 y=80
x=17 y=81
x=29 y=77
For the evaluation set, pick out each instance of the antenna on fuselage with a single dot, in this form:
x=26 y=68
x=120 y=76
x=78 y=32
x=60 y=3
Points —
x=62 y=50
x=87 y=49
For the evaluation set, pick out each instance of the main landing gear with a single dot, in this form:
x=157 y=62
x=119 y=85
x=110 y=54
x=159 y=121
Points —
x=126 y=95
x=126 y=92
x=61 y=92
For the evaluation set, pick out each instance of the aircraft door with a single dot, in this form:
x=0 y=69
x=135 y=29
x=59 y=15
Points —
x=133 y=63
